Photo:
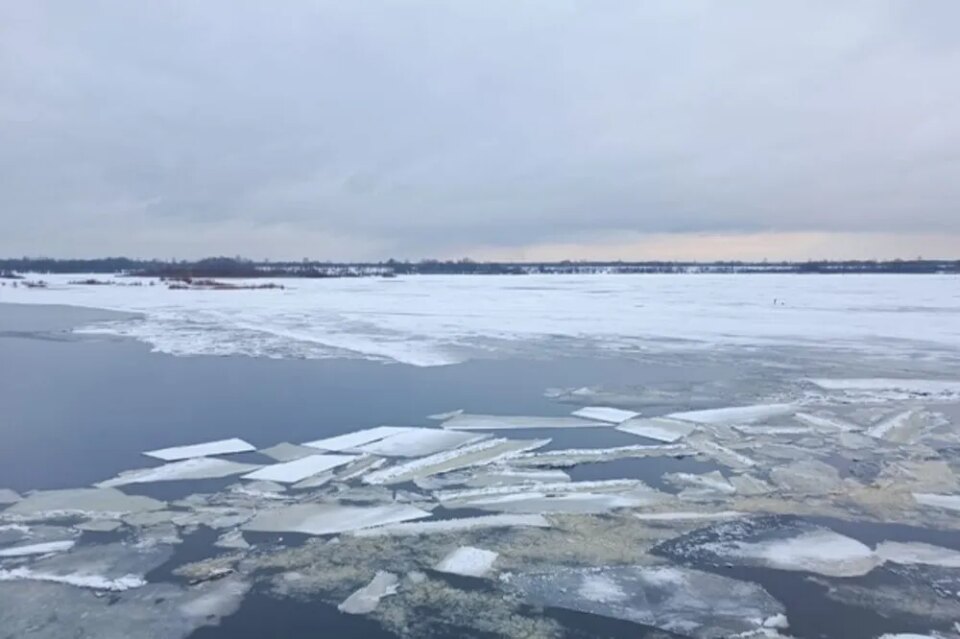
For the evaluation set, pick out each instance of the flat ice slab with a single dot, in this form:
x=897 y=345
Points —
x=8 y=496
x=605 y=414
x=916 y=386
x=356 y=438
x=734 y=414
x=95 y=502
x=689 y=515
x=219 y=447
x=299 y=469
x=468 y=421
x=918 y=553
x=195 y=468
x=285 y=451
x=468 y=561
x=659 y=428
x=687 y=602
x=328 y=519
x=365 y=600
x=37 y=549
x=417 y=442
x=448 y=526
x=947 y=502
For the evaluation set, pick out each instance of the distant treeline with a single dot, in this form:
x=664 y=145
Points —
x=221 y=267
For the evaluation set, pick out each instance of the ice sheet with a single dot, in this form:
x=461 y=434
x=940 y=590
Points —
x=829 y=422
x=95 y=582
x=916 y=386
x=326 y=519
x=947 y=502
x=299 y=469
x=115 y=566
x=449 y=526
x=469 y=421
x=193 y=468
x=356 y=438
x=285 y=451
x=37 y=549
x=468 y=561
x=605 y=414
x=918 y=553
x=734 y=414
x=219 y=447
x=689 y=603
x=659 y=428
x=417 y=442
x=93 y=502
x=365 y=600
x=8 y=496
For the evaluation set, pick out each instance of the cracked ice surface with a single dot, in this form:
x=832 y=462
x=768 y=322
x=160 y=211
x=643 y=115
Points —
x=687 y=602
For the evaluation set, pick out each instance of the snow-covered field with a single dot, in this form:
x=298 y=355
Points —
x=435 y=320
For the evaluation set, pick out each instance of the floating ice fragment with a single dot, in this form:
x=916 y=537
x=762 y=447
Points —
x=195 y=468
x=947 y=502
x=326 y=519
x=468 y=561
x=734 y=414
x=285 y=451
x=807 y=477
x=99 y=525
x=828 y=422
x=493 y=477
x=354 y=439
x=575 y=503
x=95 y=582
x=481 y=453
x=573 y=456
x=687 y=602
x=747 y=484
x=231 y=539
x=92 y=502
x=462 y=524
x=918 y=553
x=722 y=454
x=467 y=421
x=316 y=481
x=299 y=469
x=8 y=496
x=916 y=386
x=440 y=417
x=37 y=549
x=219 y=447
x=417 y=442
x=605 y=414
x=701 y=486
x=659 y=428
x=906 y=427
x=365 y=600
x=260 y=490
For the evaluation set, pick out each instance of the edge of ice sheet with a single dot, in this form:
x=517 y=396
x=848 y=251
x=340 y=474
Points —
x=92 y=502
x=326 y=519
x=660 y=428
x=468 y=561
x=417 y=442
x=445 y=526
x=910 y=385
x=734 y=414
x=42 y=548
x=472 y=421
x=299 y=469
x=219 y=447
x=94 y=582
x=191 y=468
x=356 y=438
x=366 y=599
x=605 y=414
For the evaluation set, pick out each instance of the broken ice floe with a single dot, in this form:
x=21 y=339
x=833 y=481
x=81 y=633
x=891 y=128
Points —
x=707 y=486
x=467 y=421
x=573 y=456
x=194 y=468
x=484 y=452
x=495 y=476
x=825 y=421
x=468 y=561
x=905 y=427
x=946 y=502
x=220 y=447
x=687 y=602
x=775 y=543
x=806 y=476
x=91 y=502
x=660 y=428
x=918 y=553
x=605 y=414
x=734 y=414
x=356 y=438
x=365 y=600
x=299 y=469
x=326 y=519
x=8 y=496
x=43 y=548
x=722 y=454
x=447 y=526
x=231 y=539
x=920 y=387
x=285 y=451
x=417 y=442
x=99 y=525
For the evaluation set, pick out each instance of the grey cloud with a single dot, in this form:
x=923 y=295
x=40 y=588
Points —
x=421 y=126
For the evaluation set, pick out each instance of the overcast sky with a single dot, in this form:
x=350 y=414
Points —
x=520 y=130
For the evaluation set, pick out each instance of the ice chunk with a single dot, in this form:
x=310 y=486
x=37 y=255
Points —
x=775 y=542
x=96 y=582
x=918 y=553
x=219 y=447
x=326 y=519
x=417 y=442
x=194 y=468
x=299 y=469
x=914 y=386
x=481 y=453
x=827 y=422
x=703 y=486
x=316 y=481
x=493 y=477
x=231 y=539
x=8 y=496
x=447 y=526
x=93 y=502
x=468 y=561
x=260 y=490
x=99 y=525
x=689 y=515
x=354 y=439
x=579 y=503
x=605 y=414
x=365 y=600
x=687 y=602
x=722 y=454
x=946 y=502
x=573 y=456
x=907 y=426
x=734 y=414
x=807 y=477
x=659 y=428
x=37 y=549
x=467 y=421
x=747 y=484
x=285 y=451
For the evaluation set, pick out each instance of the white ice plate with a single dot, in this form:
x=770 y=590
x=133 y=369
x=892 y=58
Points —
x=293 y=471
x=468 y=561
x=219 y=447
x=356 y=438
x=417 y=442
x=605 y=414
